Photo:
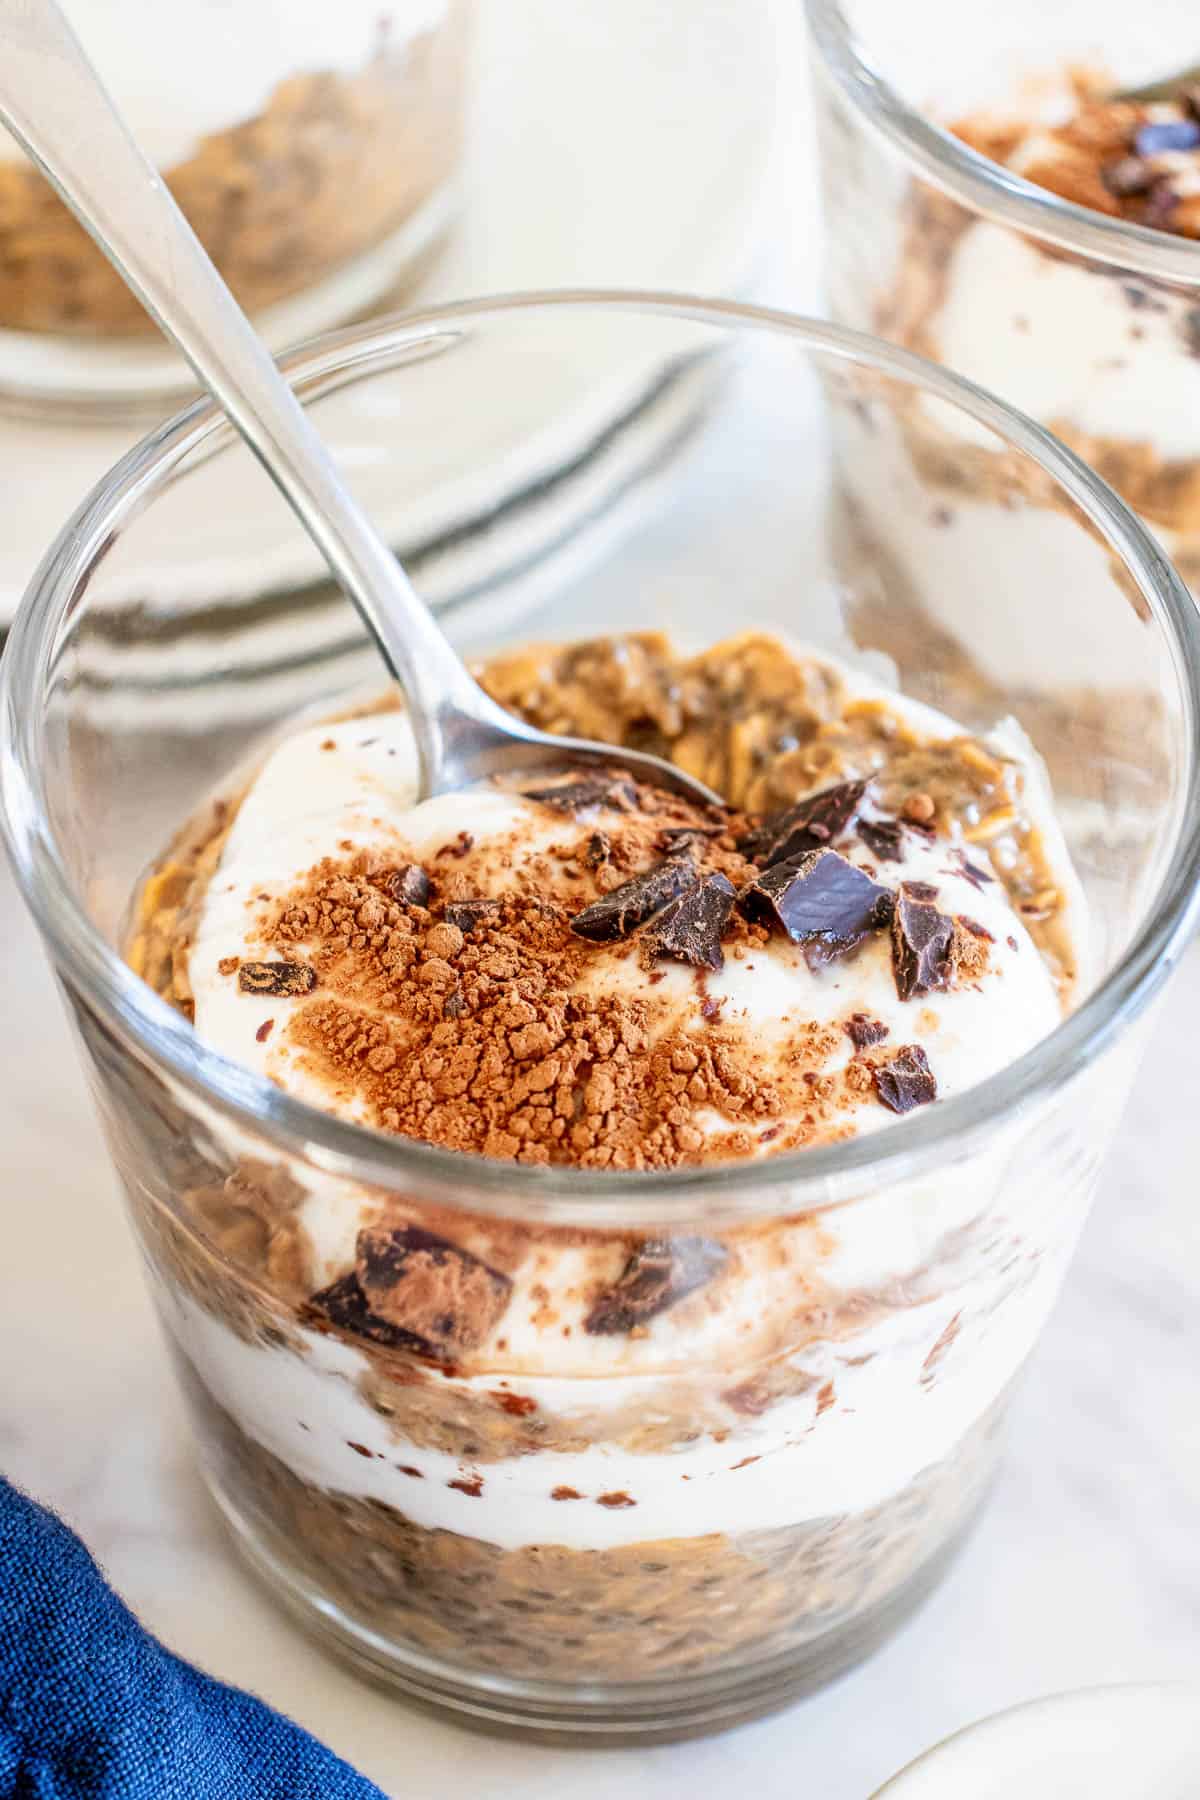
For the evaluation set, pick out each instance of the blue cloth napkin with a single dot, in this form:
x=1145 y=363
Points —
x=93 y=1708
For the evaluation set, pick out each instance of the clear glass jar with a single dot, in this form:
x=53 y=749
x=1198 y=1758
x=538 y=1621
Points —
x=312 y=148
x=653 y=1534
x=1088 y=322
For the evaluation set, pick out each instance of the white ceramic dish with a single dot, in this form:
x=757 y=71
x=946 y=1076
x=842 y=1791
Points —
x=1105 y=1743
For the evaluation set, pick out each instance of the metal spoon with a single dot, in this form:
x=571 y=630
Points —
x=55 y=104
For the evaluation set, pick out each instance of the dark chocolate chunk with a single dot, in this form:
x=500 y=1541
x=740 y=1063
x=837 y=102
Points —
x=921 y=939
x=681 y=840
x=690 y=928
x=659 y=1272
x=821 y=901
x=1166 y=134
x=598 y=849
x=884 y=838
x=864 y=1032
x=906 y=1081
x=975 y=928
x=615 y=915
x=467 y=914
x=284 y=978
x=587 y=790
x=810 y=825
x=1127 y=176
x=345 y=1305
x=428 y=1287
x=409 y=885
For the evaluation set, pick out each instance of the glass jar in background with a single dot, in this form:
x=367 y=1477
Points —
x=659 y=1531
x=312 y=147
x=1087 y=321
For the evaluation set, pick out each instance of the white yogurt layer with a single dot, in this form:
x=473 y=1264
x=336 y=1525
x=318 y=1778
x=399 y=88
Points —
x=950 y=1291
x=876 y=1415
x=182 y=69
x=1067 y=343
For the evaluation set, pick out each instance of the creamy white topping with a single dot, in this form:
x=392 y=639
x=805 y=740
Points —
x=310 y=798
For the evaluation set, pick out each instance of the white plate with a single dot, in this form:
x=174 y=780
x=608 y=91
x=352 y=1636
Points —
x=1108 y=1743
x=617 y=145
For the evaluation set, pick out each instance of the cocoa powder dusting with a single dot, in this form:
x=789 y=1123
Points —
x=493 y=1041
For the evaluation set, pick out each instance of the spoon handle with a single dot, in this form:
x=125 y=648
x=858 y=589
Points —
x=54 y=103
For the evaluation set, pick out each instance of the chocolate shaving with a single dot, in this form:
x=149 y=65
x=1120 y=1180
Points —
x=978 y=878
x=587 y=790
x=287 y=979
x=462 y=845
x=921 y=938
x=864 y=1032
x=344 y=1304
x=975 y=928
x=598 y=849
x=467 y=914
x=907 y=1081
x=821 y=901
x=810 y=825
x=428 y=1287
x=884 y=838
x=1128 y=176
x=681 y=840
x=689 y=929
x=660 y=1272
x=409 y=885
x=615 y=915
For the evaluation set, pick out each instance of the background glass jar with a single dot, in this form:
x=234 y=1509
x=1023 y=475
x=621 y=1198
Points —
x=312 y=148
x=1087 y=322
x=640 y=1534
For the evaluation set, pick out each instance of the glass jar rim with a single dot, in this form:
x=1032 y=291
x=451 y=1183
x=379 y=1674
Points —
x=801 y=1181
x=978 y=183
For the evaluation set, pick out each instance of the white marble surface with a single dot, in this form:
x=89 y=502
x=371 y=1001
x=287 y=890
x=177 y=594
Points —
x=1086 y=1567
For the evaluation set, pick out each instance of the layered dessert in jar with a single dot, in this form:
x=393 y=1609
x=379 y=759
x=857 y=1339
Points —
x=299 y=139
x=580 y=1452
x=1107 y=358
